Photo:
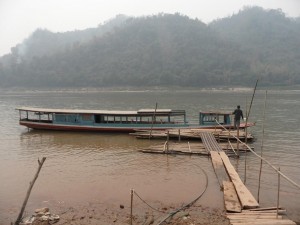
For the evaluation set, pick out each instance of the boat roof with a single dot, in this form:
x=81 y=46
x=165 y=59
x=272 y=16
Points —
x=144 y=112
x=216 y=112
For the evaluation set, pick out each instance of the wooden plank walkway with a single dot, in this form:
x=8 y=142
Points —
x=237 y=197
x=188 y=133
x=178 y=148
x=230 y=198
x=218 y=167
x=210 y=142
x=246 y=198
x=258 y=217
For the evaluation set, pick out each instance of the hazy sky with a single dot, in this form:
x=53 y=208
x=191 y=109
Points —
x=19 y=18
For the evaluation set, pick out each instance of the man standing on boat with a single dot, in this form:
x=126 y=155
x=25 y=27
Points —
x=238 y=114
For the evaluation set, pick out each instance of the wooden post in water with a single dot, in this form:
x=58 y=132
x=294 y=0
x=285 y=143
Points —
x=245 y=172
x=261 y=147
x=278 y=192
x=19 y=219
x=131 y=205
x=153 y=119
x=168 y=138
x=238 y=143
x=248 y=113
x=179 y=138
x=228 y=138
x=246 y=133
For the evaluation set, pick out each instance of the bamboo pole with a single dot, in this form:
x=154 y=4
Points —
x=168 y=138
x=238 y=144
x=278 y=192
x=262 y=144
x=231 y=148
x=19 y=219
x=248 y=113
x=228 y=140
x=153 y=118
x=246 y=134
x=131 y=205
x=246 y=129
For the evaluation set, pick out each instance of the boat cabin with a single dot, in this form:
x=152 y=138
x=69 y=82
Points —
x=118 y=121
x=210 y=118
x=41 y=118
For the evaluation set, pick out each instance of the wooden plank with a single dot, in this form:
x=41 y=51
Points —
x=246 y=198
x=252 y=217
x=264 y=222
x=255 y=213
x=232 y=203
x=174 y=152
x=219 y=167
x=265 y=209
x=210 y=142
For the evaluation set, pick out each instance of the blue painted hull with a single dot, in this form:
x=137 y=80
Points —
x=126 y=128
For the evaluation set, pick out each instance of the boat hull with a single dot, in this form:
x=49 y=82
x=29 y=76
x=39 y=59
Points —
x=63 y=127
x=115 y=128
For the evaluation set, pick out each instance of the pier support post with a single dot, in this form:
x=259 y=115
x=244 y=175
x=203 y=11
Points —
x=131 y=205
x=238 y=143
x=278 y=192
x=168 y=138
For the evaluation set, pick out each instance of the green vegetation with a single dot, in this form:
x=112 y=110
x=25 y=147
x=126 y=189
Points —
x=161 y=50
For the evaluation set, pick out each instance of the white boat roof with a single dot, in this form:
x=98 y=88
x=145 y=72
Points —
x=106 y=112
x=216 y=112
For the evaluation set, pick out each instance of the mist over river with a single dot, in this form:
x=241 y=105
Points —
x=103 y=167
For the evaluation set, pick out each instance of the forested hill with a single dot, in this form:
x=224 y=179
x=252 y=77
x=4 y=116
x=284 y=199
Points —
x=161 y=50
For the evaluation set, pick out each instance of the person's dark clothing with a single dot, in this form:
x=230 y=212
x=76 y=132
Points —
x=238 y=114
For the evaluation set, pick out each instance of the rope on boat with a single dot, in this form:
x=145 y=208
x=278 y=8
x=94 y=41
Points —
x=263 y=159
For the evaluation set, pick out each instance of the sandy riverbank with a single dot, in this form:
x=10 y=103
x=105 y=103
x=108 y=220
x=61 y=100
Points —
x=94 y=213
x=98 y=213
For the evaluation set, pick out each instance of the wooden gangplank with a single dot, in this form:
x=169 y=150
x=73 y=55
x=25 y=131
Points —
x=237 y=197
x=231 y=199
x=210 y=142
x=221 y=162
x=246 y=198
x=211 y=145
x=219 y=167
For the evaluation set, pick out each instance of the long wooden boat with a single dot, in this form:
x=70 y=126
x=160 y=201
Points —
x=117 y=121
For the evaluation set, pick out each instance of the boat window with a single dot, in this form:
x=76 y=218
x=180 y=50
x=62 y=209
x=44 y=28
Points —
x=87 y=117
x=209 y=118
x=99 y=119
x=36 y=116
x=72 y=118
x=221 y=119
x=109 y=119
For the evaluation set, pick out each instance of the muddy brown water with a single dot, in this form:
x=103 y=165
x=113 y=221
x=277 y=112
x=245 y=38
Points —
x=96 y=167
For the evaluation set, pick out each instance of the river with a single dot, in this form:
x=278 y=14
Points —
x=89 y=167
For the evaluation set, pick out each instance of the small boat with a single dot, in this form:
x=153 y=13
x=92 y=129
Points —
x=118 y=121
